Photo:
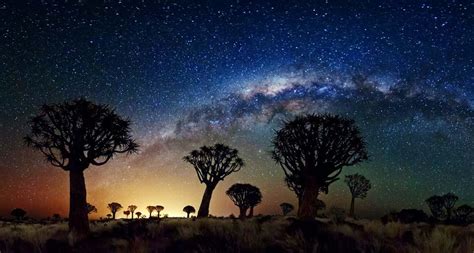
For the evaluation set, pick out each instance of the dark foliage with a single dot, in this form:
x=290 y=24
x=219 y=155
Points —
x=244 y=196
x=114 y=207
x=312 y=150
x=188 y=210
x=18 y=213
x=358 y=186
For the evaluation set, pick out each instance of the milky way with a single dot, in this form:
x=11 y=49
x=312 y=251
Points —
x=189 y=74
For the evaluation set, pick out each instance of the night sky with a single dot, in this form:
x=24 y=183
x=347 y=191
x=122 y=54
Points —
x=191 y=73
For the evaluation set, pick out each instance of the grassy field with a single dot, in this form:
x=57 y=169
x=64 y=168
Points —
x=259 y=234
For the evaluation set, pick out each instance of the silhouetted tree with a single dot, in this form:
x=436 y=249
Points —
x=56 y=217
x=449 y=200
x=132 y=209
x=254 y=199
x=74 y=136
x=286 y=208
x=138 y=214
x=150 y=210
x=114 y=207
x=463 y=212
x=312 y=150
x=91 y=209
x=436 y=205
x=109 y=216
x=319 y=205
x=359 y=186
x=159 y=209
x=188 y=210
x=213 y=164
x=126 y=213
x=18 y=213
x=243 y=196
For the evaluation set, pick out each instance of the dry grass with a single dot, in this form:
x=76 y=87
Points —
x=263 y=234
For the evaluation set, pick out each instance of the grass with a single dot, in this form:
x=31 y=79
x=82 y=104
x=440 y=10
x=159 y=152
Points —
x=260 y=234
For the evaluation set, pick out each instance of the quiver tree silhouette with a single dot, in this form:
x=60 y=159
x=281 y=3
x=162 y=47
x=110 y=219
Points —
x=244 y=197
x=150 y=210
x=449 y=200
x=312 y=150
x=158 y=209
x=109 y=216
x=138 y=214
x=436 y=205
x=126 y=213
x=132 y=209
x=213 y=164
x=463 y=212
x=254 y=199
x=188 y=210
x=73 y=136
x=18 y=213
x=286 y=208
x=358 y=186
x=114 y=207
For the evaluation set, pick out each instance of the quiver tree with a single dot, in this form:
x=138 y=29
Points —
x=91 y=209
x=286 y=208
x=18 y=213
x=109 y=216
x=139 y=214
x=188 y=210
x=358 y=186
x=158 y=209
x=73 y=136
x=126 y=213
x=150 y=210
x=254 y=199
x=244 y=197
x=436 y=205
x=449 y=200
x=312 y=150
x=213 y=164
x=463 y=213
x=114 y=207
x=132 y=209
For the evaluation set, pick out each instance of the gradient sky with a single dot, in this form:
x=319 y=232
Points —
x=194 y=73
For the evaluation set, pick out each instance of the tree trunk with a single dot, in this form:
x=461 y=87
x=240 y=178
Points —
x=113 y=215
x=307 y=209
x=251 y=212
x=351 y=210
x=206 y=200
x=243 y=212
x=132 y=215
x=78 y=220
x=187 y=216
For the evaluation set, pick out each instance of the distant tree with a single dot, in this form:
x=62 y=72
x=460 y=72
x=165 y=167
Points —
x=138 y=214
x=188 y=210
x=286 y=208
x=73 y=136
x=114 y=207
x=312 y=150
x=18 y=213
x=319 y=205
x=463 y=212
x=358 y=186
x=91 y=209
x=132 y=209
x=126 y=213
x=243 y=196
x=109 y=216
x=150 y=210
x=436 y=205
x=159 y=209
x=213 y=164
x=449 y=200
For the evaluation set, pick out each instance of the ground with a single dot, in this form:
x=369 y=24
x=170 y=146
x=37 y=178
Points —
x=259 y=234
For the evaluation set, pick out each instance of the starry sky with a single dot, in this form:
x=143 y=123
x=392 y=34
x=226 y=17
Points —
x=189 y=73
